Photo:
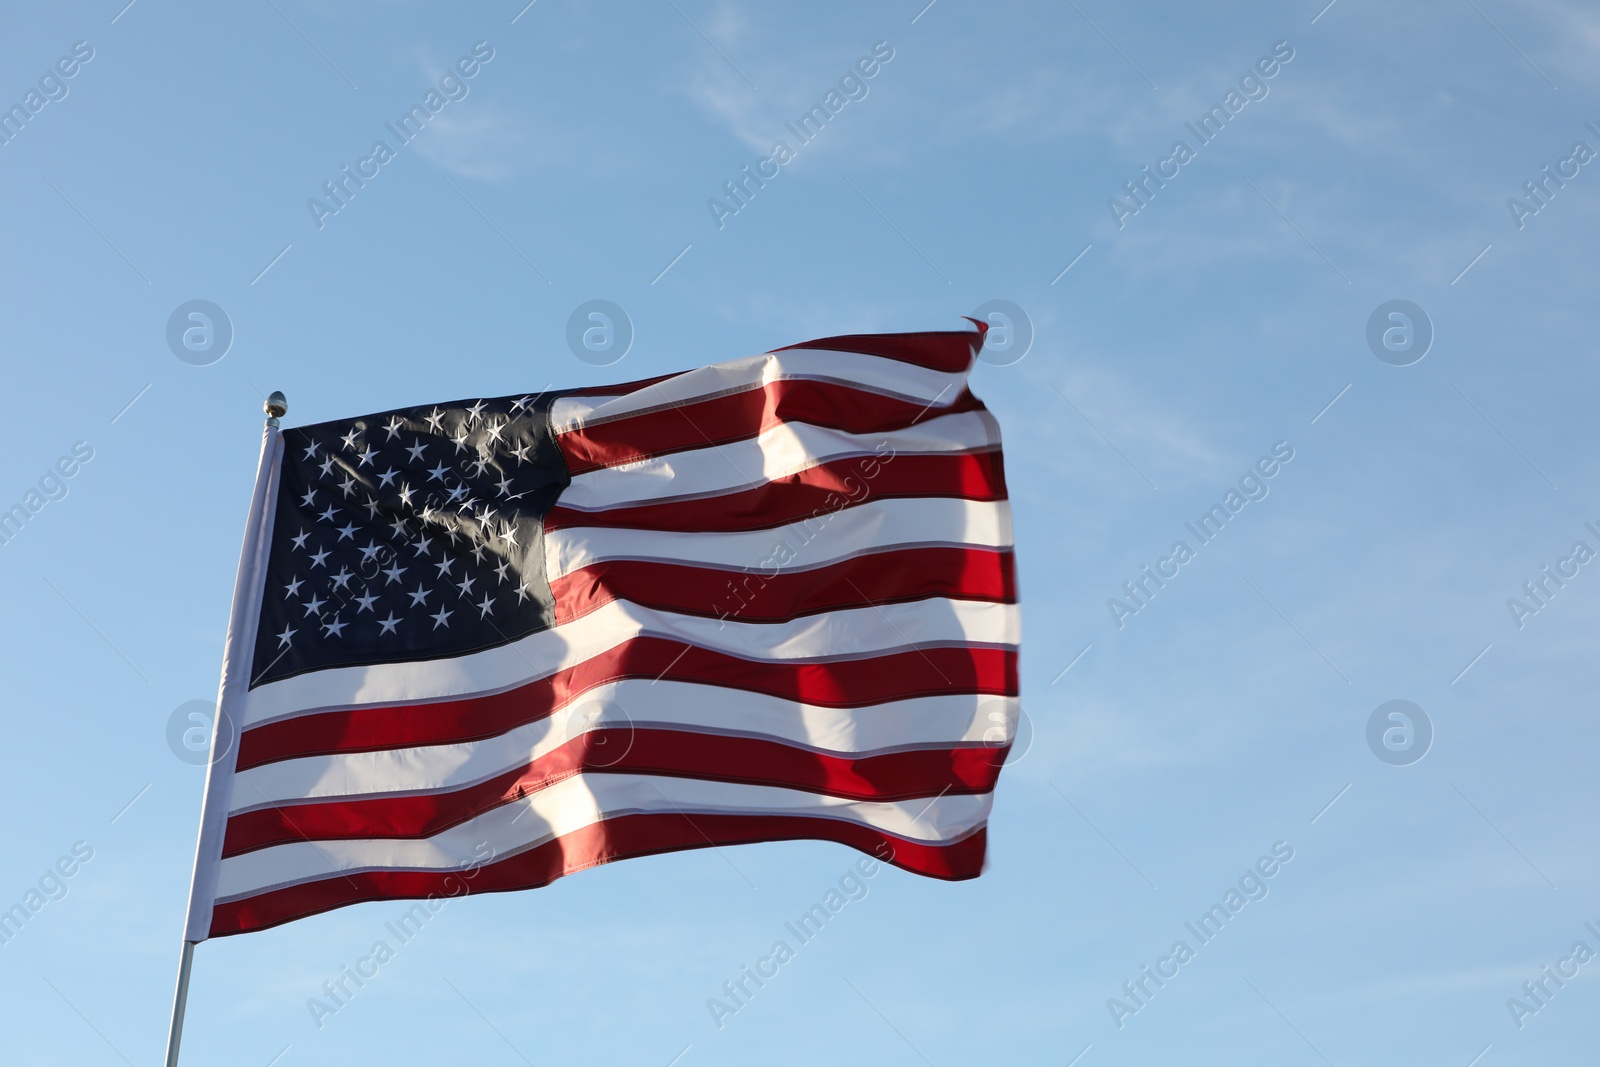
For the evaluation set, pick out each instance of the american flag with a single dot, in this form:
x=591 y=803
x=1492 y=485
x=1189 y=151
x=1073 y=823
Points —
x=480 y=645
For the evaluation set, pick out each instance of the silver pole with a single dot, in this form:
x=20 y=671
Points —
x=275 y=408
x=179 y=1000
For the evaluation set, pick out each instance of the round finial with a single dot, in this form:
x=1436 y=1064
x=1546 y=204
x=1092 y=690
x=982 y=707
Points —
x=277 y=405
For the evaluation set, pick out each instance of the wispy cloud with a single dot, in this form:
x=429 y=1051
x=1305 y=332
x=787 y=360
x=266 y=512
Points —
x=485 y=141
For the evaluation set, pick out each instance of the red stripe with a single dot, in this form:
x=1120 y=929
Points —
x=949 y=351
x=957 y=770
x=620 y=389
x=738 y=416
x=842 y=684
x=755 y=596
x=623 y=837
x=815 y=493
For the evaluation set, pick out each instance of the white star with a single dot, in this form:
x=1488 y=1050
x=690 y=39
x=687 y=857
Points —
x=496 y=430
x=300 y=542
x=366 y=602
x=484 y=606
x=314 y=605
x=457 y=493
x=521 y=402
x=523 y=592
x=444 y=566
x=309 y=499
x=476 y=411
x=347 y=530
x=364 y=457
x=388 y=476
x=334 y=627
x=348 y=485
x=405 y=494
x=373 y=507
x=342 y=579
x=434 y=420
x=283 y=638
x=393 y=428
x=488 y=513
x=465 y=585
x=416 y=452
x=478 y=465
x=349 y=439
x=311 y=452
x=501 y=570
x=388 y=624
x=477 y=552
x=423 y=545
x=442 y=618
x=399 y=527
x=420 y=596
x=293 y=588
x=327 y=516
x=372 y=549
x=461 y=441
x=509 y=535
x=504 y=485
x=319 y=557
x=326 y=466
x=437 y=473
x=394 y=571
x=520 y=453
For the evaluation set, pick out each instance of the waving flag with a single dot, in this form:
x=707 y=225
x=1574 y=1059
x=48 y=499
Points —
x=477 y=646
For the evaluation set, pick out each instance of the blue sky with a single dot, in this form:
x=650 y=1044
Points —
x=1229 y=714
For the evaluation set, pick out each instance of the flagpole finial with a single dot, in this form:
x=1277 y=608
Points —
x=276 y=407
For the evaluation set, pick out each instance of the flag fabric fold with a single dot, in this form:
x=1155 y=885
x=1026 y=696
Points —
x=481 y=645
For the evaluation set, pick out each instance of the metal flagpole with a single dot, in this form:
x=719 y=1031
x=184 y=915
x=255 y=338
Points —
x=236 y=656
x=180 y=1001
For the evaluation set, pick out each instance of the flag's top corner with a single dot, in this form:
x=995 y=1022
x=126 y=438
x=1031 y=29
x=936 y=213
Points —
x=951 y=351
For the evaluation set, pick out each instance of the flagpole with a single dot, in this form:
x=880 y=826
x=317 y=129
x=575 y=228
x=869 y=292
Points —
x=235 y=681
x=180 y=1000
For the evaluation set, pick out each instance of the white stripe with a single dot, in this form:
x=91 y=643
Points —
x=872 y=373
x=814 y=542
x=850 y=632
x=578 y=802
x=782 y=450
x=923 y=722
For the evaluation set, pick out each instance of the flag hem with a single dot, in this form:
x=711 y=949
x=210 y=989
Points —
x=238 y=648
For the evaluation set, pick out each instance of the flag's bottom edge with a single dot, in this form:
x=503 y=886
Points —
x=604 y=842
